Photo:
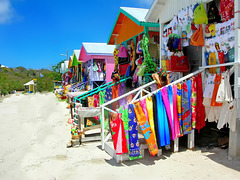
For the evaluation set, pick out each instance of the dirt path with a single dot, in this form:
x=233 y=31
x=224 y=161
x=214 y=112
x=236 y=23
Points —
x=33 y=138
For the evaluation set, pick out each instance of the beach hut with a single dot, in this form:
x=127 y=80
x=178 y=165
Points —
x=97 y=63
x=219 y=38
x=31 y=85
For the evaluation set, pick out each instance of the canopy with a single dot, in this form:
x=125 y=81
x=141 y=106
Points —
x=29 y=83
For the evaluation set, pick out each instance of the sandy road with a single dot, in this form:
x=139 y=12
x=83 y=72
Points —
x=33 y=138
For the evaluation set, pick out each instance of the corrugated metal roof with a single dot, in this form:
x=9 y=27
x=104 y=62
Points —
x=98 y=48
x=138 y=13
x=77 y=53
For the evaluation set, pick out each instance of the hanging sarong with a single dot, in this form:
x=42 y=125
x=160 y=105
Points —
x=149 y=104
x=168 y=110
x=155 y=119
x=123 y=110
x=170 y=97
x=146 y=129
x=90 y=101
x=108 y=94
x=189 y=88
x=118 y=136
x=193 y=102
x=200 y=113
x=144 y=107
x=163 y=127
x=175 y=113
x=134 y=145
x=122 y=101
x=187 y=123
x=179 y=106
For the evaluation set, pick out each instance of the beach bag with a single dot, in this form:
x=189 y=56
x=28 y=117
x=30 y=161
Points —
x=200 y=15
x=123 y=60
x=197 y=37
x=213 y=13
x=122 y=52
x=179 y=64
x=141 y=70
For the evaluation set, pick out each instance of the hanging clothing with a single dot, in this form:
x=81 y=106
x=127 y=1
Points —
x=193 y=102
x=170 y=96
x=118 y=135
x=212 y=61
x=217 y=82
x=149 y=104
x=175 y=113
x=144 y=107
x=189 y=88
x=200 y=115
x=122 y=101
x=108 y=94
x=155 y=119
x=146 y=129
x=221 y=60
x=163 y=127
x=179 y=106
x=168 y=110
x=134 y=145
x=123 y=110
x=209 y=86
x=96 y=100
x=187 y=126
x=102 y=97
x=115 y=91
x=90 y=101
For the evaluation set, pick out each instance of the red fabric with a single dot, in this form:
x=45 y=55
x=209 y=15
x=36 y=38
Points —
x=118 y=137
x=226 y=9
x=221 y=60
x=96 y=100
x=200 y=113
x=123 y=69
x=217 y=82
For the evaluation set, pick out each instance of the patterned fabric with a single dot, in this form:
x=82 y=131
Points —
x=149 y=104
x=115 y=53
x=118 y=135
x=217 y=83
x=144 y=107
x=102 y=97
x=134 y=145
x=155 y=119
x=124 y=116
x=163 y=127
x=193 y=102
x=200 y=113
x=168 y=110
x=179 y=106
x=186 y=120
x=91 y=101
x=146 y=129
x=170 y=96
x=96 y=100
x=108 y=94
x=122 y=101
x=175 y=113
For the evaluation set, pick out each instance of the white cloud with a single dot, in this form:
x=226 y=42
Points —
x=6 y=11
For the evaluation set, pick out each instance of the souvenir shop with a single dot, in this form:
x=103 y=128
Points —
x=198 y=43
x=97 y=63
x=133 y=38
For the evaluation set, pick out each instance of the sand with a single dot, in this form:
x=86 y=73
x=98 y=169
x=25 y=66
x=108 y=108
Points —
x=33 y=137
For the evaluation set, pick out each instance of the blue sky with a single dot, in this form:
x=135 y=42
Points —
x=33 y=33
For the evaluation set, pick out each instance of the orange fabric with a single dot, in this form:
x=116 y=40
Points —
x=70 y=63
x=217 y=82
x=115 y=91
x=146 y=129
x=212 y=61
x=197 y=37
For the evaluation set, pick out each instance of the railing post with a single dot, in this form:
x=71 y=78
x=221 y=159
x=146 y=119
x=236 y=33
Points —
x=103 y=130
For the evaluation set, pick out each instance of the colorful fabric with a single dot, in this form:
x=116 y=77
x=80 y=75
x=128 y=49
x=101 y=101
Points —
x=108 y=94
x=124 y=116
x=102 y=97
x=122 y=101
x=175 y=113
x=189 y=88
x=146 y=129
x=193 y=102
x=212 y=61
x=134 y=145
x=168 y=110
x=170 y=97
x=115 y=53
x=118 y=135
x=217 y=82
x=96 y=100
x=186 y=120
x=163 y=127
x=200 y=113
x=144 y=107
x=179 y=106
x=155 y=119
x=115 y=91
x=149 y=104
x=91 y=101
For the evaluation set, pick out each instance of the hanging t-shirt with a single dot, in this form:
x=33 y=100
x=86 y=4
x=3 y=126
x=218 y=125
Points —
x=217 y=82
x=209 y=86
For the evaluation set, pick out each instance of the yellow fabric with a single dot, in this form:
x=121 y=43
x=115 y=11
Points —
x=91 y=101
x=212 y=61
x=212 y=29
x=149 y=104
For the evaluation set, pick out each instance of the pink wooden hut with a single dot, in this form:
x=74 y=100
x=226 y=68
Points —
x=97 y=62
